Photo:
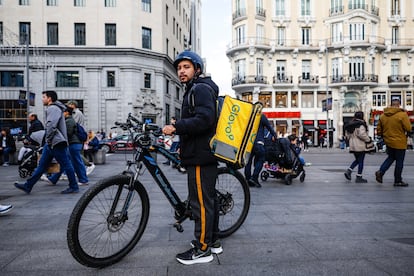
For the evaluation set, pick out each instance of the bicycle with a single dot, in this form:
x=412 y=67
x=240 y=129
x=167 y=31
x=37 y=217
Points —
x=109 y=219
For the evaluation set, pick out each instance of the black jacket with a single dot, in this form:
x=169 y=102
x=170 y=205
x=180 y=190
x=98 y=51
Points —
x=196 y=127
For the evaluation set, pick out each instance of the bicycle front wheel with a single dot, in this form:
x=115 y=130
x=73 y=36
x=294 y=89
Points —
x=99 y=233
x=234 y=200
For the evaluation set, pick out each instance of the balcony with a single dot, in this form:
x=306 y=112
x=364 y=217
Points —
x=237 y=15
x=282 y=80
x=336 y=10
x=310 y=81
x=256 y=79
x=399 y=80
x=260 y=12
x=354 y=80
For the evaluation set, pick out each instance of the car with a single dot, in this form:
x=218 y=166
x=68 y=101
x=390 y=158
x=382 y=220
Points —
x=122 y=142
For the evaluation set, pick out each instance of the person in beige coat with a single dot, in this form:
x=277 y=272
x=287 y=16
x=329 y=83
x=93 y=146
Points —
x=357 y=133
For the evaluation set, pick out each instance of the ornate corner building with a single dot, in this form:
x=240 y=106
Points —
x=113 y=57
x=313 y=63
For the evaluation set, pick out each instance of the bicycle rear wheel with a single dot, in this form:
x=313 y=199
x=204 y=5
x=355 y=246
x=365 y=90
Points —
x=98 y=237
x=234 y=200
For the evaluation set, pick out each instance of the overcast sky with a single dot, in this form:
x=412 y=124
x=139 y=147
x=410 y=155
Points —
x=216 y=36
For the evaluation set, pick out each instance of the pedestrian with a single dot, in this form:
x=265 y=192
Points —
x=175 y=141
x=305 y=139
x=394 y=126
x=56 y=145
x=196 y=126
x=4 y=209
x=75 y=148
x=77 y=114
x=297 y=149
x=258 y=154
x=7 y=145
x=79 y=118
x=35 y=123
x=357 y=134
x=91 y=146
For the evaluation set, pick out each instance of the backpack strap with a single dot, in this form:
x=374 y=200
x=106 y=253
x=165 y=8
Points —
x=191 y=97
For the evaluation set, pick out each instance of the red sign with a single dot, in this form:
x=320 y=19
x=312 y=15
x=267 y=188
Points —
x=282 y=114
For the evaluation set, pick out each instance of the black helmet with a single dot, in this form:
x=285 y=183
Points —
x=191 y=56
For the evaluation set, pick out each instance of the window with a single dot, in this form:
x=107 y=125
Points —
x=12 y=78
x=395 y=35
x=379 y=99
x=281 y=99
x=166 y=15
x=79 y=3
x=51 y=2
x=280 y=39
x=395 y=7
x=336 y=68
x=395 y=67
x=306 y=67
x=146 y=38
x=279 y=7
x=67 y=79
x=305 y=8
x=356 y=4
x=321 y=96
x=52 y=34
x=337 y=35
x=1 y=32
x=24 y=2
x=167 y=87
x=294 y=99
x=408 y=99
x=146 y=6
x=307 y=99
x=259 y=70
x=280 y=70
x=306 y=36
x=266 y=99
x=336 y=6
x=110 y=34
x=110 y=3
x=241 y=69
x=356 y=68
x=24 y=32
x=177 y=93
x=147 y=80
x=260 y=33
x=110 y=78
x=241 y=34
x=80 y=34
x=357 y=31
x=167 y=114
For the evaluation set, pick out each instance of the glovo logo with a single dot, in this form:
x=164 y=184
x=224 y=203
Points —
x=235 y=109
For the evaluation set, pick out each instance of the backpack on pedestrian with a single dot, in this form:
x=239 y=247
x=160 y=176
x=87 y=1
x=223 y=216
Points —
x=237 y=123
x=81 y=133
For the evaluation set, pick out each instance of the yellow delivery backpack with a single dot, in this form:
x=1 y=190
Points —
x=237 y=125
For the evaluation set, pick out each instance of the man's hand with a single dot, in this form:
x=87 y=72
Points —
x=168 y=129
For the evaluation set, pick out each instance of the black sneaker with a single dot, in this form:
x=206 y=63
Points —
x=348 y=174
x=195 y=256
x=216 y=248
x=400 y=184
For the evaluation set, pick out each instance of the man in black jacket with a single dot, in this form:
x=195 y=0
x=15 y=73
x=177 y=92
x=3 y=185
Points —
x=196 y=127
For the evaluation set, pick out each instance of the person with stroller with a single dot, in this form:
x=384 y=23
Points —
x=294 y=145
x=258 y=155
x=91 y=146
x=357 y=133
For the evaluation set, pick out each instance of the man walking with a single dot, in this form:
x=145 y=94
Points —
x=394 y=126
x=258 y=155
x=56 y=145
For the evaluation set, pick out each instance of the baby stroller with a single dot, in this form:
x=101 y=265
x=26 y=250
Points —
x=29 y=161
x=282 y=161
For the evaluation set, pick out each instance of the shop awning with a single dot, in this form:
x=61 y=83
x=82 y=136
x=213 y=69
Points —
x=281 y=122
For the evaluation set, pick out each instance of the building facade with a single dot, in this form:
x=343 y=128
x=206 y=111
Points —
x=113 y=57
x=313 y=63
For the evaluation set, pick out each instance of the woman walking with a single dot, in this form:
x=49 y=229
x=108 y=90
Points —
x=357 y=133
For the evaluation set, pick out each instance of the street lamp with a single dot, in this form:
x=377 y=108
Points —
x=327 y=95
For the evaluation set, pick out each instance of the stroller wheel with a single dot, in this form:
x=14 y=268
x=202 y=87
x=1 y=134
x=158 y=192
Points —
x=288 y=179
x=264 y=175
x=23 y=173
x=302 y=177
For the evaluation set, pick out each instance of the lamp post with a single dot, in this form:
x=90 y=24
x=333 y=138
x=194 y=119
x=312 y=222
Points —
x=26 y=36
x=327 y=95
